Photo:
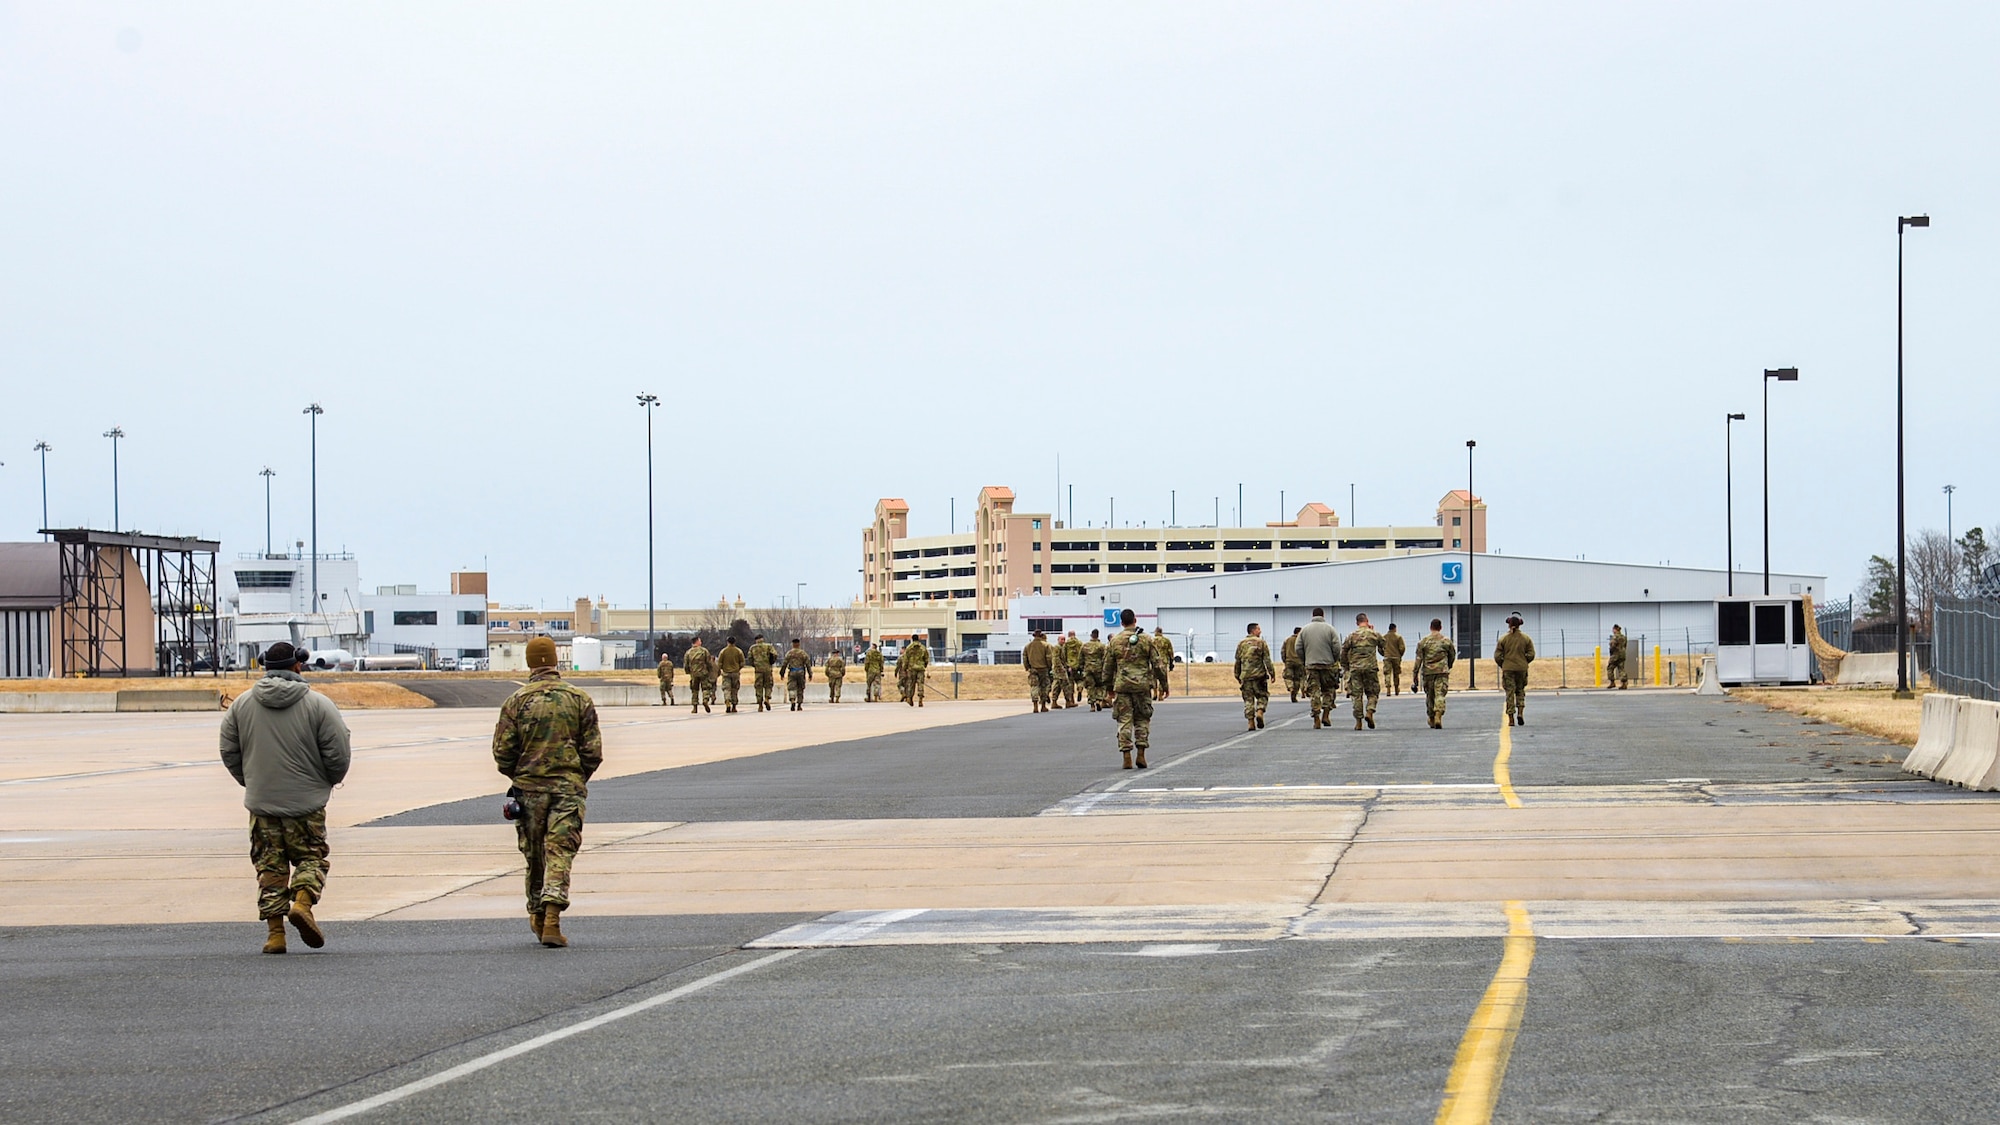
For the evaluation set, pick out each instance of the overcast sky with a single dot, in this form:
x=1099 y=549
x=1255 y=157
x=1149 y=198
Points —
x=910 y=250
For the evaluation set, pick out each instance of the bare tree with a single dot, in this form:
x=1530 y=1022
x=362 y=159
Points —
x=1935 y=568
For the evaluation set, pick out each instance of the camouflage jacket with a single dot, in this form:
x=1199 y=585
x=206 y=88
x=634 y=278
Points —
x=1130 y=661
x=699 y=663
x=729 y=660
x=1072 y=654
x=763 y=656
x=1435 y=656
x=1361 y=648
x=1393 y=646
x=836 y=666
x=797 y=663
x=1253 y=659
x=1165 y=645
x=666 y=671
x=1514 y=651
x=547 y=739
x=872 y=663
x=1617 y=646
x=1289 y=652
x=1093 y=661
x=914 y=660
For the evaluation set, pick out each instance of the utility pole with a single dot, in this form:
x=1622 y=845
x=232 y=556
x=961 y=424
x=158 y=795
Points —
x=1903 y=222
x=115 y=433
x=267 y=474
x=314 y=411
x=42 y=448
x=1471 y=582
x=649 y=403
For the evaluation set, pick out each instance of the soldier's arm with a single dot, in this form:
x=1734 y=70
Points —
x=1531 y=650
x=335 y=752
x=589 y=740
x=232 y=750
x=506 y=740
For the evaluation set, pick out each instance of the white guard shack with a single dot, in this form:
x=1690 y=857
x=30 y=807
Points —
x=1760 y=640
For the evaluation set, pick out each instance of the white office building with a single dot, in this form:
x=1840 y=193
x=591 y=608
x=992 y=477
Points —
x=399 y=619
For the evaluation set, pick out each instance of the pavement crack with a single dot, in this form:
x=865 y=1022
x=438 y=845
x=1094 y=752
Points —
x=1294 y=925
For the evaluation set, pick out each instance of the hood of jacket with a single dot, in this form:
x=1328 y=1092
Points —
x=279 y=690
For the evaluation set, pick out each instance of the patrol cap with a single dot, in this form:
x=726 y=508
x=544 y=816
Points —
x=542 y=653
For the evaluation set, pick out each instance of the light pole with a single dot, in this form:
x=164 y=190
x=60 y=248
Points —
x=115 y=433
x=42 y=448
x=313 y=412
x=1351 y=521
x=267 y=473
x=799 y=592
x=1903 y=222
x=1729 y=497
x=649 y=403
x=1782 y=375
x=1948 y=490
x=1471 y=582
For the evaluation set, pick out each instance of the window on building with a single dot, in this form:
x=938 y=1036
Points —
x=1045 y=624
x=907 y=554
x=416 y=617
x=1191 y=568
x=1073 y=568
x=965 y=550
x=1036 y=524
x=965 y=593
x=474 y=653
x=934 y=552
x=368 y=620
x=1363 y=544
x=908 y=596
x=559 y=626
x=905 y=575
x=1455 y=520
x=1246 y=544
x=1133 y=545
x=1305 y=544
x=941 y=573
x=1190 y=544
x=1238 y=568
x=1074 y=545
x=963 y=571
x=1135 y=568
x=1037 y=568
x=263 y=579
x=1419 y=542
x=968 y=615
x=472 y=617
x=1457 y=543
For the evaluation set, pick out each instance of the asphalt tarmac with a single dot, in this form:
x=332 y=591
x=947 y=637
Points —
x=129 y=1021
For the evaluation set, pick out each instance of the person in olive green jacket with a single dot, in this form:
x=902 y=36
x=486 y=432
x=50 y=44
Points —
x=548 y=744
x=763 y=662
x=729 y=665
x=836 y=674
x=912 y=665
x=1392 y=662
x=1162 y=672
x=871 y=666
x=1514 y=652
x=798 y=669
x=1038 y=657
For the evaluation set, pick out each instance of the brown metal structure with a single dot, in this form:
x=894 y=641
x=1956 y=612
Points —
x=178 y=587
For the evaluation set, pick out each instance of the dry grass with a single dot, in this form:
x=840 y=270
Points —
x=1874 y=712
x=353 y=692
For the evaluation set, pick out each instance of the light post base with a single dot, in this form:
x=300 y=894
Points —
x=1902 y=695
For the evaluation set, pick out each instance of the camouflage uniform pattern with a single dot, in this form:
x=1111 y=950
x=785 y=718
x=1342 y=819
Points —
x=1253 y=677
x=1093 y=673
x=729 y=665
x=1132 y=668
x=1162 y=672
x=1038 y=657
x=699 y=664
x=1364 y=673
x=1295 y=666
x=836 y=674
x=1614 y=669
x=911 y=668
x=666 y=671
x=1392 y=662
x=548 y=743
x=763 y=658
x=1433 y=670
x=1071 y=663
x=798 y=668
x=1513 y=653
x=290 y=855
x=871 y=666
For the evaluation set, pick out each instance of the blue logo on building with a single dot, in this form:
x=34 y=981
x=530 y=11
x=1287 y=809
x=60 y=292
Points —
x=1111 y=618
x=1452 y=572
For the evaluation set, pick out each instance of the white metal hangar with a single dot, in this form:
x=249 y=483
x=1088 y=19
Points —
x=1567 y=603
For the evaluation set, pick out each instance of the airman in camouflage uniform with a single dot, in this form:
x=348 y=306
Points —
x=1071 y=663
x=1513 y=653
x=1132 y=668
x=911 y=668
x=547 y=743
x=1435 y=656
x=729 y=664
x=1295 y=665
x=1614 y=669
x=1037 y=657
x=763 y=662
x=666 y=672
x=1093 y=671
x=699 y=664
x=1162 y=673
x=1253 y=675
x=1392 y=661
x=872 y=665
x=836 y=674
x=1360 y=654
x=798 y=669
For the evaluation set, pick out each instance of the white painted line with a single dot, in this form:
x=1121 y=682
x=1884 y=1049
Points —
x=106 y=773
x=1124 y=783
x=389 y=1097
x=863 y=927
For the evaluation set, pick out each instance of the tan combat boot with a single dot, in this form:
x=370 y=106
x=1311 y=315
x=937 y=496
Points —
x=275 y=941
x=1141 y=762
x=1357 y=722
x=1315 y=718
x=535 y=923
x=1128 y=759
x=303 y=921
x=552 y=935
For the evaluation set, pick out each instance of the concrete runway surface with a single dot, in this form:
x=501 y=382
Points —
x=1641 y=907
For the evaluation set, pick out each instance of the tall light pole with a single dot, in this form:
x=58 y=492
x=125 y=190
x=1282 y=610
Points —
x=115 y=433
x=267 y=473
x=314 y=412
x=1782 y=375
x=42 y=448
x=799 y=594
x=1948 y=490
x=1471 y=582
x=649 y=402
x=1903 y=222
x=1350 y=506
x=1729 y=497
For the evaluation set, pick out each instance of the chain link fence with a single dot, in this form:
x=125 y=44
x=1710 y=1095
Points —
x=1965 y=650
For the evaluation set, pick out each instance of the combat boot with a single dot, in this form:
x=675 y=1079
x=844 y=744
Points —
x=1128 y=758
x=535 y=922
x=274 y=942
x=1141 y=763
x=1371 y=720
x=552 y=935
x=1260 y=720
x=1316 y=723
x=1357 y=722
x=303 y=921
x=1252 y=723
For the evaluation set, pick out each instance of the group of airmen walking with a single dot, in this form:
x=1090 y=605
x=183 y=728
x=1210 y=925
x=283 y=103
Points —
x=1125 y=675
x=1315 y=659
x=722 y=671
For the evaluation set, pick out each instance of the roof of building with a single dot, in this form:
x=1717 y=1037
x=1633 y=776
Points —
x=1459 y=495
x=30 y=576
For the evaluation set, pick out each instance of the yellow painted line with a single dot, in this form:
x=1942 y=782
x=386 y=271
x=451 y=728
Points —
x=1501 y=775
x=1472 y=1088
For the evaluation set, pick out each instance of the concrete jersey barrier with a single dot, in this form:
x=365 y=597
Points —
x=1975 y=740
x=58 y=702
x=176 y=699
x=623 y=695
x=1934 y=734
